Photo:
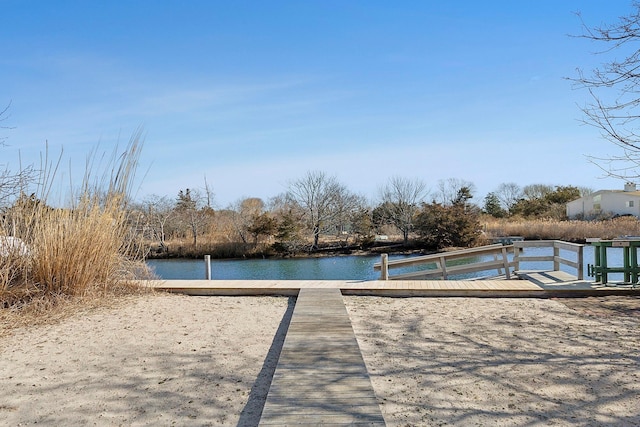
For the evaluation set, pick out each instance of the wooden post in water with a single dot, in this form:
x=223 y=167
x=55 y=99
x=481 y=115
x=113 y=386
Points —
x=505 y=261
x=556 y=257
x=384 y=267
x=207 y=266
x=580 y=262
x=443 y=267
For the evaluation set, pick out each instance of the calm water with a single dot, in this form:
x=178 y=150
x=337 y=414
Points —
x=329 y=268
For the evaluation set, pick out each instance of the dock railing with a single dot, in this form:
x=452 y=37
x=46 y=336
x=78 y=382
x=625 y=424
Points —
x=441 y=263
x=600 y=270
x=557 y=258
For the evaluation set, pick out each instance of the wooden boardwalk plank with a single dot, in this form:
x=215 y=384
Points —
x=553 y=283
x=321 y=378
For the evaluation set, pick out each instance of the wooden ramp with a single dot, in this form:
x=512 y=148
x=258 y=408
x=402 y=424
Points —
x=321 y=378
x=543 y=278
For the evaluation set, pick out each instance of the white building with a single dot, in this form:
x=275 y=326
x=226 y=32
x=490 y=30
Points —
x=606 y=202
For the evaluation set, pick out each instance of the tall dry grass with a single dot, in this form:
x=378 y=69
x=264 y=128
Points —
x=81 y=250
x=574 y=231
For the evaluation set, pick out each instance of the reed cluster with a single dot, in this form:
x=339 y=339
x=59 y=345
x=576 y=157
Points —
x=573 y=231
x=76 y=251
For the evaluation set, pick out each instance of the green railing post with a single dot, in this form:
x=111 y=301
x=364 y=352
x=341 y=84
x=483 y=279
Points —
x=629 y=267
x=604 y=274
x=626 y=264
x=634 y=264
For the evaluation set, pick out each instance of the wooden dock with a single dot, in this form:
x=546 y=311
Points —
x=537 y=285
x=321 y=377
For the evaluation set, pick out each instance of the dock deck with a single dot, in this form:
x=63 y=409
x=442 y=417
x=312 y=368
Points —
x=536 y=285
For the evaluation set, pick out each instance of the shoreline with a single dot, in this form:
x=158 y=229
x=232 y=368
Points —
x=320 y=253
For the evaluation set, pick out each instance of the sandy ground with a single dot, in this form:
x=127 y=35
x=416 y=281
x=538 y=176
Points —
x=160 y=360
x=502 y=362
x=177 y=360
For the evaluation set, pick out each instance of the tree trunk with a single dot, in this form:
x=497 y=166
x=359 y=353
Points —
x=194 y=232
x=316 y=236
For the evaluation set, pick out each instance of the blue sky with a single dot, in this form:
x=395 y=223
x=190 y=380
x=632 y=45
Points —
x=253 y=94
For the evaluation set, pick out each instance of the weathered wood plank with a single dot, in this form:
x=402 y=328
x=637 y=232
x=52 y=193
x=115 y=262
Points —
x=321 y=378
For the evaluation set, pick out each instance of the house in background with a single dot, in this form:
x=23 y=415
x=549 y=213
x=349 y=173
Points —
x=606 y=203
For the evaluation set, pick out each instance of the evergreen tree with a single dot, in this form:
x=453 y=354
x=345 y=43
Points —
x=492 y=206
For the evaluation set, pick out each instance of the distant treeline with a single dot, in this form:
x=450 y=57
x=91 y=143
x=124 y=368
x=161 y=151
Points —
x=318 y=214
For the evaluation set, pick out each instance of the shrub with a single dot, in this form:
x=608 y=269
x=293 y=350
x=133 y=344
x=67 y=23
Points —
x=441 y=226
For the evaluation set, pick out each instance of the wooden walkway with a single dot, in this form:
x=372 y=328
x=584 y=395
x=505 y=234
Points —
x=536 y=285
x=321 y=378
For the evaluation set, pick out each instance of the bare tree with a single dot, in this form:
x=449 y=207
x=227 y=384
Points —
x=244 y=214
x=323 y=199
x=614 y=90
x=449 y=189
x=191 y=209
x=209 y=194
x=158 y=211
x=585 y=191
x=537 y=191
x=400 y=202
x=508 y=193
x=12 y=184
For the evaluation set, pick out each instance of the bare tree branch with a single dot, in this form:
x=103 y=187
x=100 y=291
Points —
x=614 y=90
x=4 y=115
